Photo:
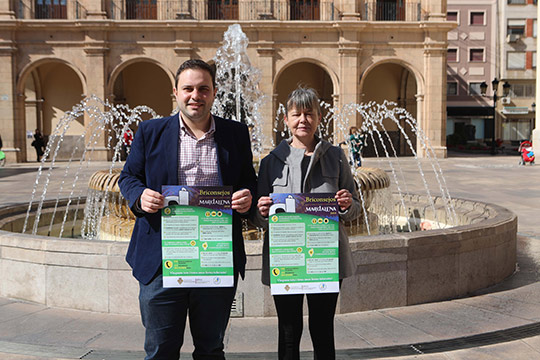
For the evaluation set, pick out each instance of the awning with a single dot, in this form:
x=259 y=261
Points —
x=469 y=111
x=515 y=110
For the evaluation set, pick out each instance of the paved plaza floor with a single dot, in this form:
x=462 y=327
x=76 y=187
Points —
x=502 y=322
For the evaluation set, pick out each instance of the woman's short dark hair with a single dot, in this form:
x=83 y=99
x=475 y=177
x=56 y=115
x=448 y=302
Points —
x=195 y=64
x=304 y=98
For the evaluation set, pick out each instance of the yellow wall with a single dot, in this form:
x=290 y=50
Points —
x=144 y=83
x=61 y=89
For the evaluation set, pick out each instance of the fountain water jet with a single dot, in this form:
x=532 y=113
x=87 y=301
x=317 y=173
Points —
x=394 y=269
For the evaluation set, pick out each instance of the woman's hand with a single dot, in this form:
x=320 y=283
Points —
x=241 y=201
x=344 y=199
x=264 y=204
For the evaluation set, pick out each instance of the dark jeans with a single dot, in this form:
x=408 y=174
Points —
x=321 y=309
x=357 y=159
x=164 y=311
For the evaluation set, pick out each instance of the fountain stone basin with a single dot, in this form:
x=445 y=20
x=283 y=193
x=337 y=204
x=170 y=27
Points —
x=392 y=270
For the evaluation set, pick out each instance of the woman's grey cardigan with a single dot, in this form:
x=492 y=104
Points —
x=328 y=172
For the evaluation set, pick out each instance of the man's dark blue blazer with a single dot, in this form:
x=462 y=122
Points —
x=153 y=162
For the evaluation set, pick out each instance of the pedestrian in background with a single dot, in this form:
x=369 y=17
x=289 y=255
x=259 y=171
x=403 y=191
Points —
x=38 y=144
x=357 y=141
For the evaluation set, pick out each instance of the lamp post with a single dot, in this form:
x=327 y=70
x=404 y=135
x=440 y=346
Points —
x=506 y=91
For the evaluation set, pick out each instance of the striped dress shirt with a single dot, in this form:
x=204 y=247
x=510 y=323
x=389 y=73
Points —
x=197 y=158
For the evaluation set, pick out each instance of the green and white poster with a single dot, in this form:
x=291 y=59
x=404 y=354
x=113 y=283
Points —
x=304 y=244
x=196 y=236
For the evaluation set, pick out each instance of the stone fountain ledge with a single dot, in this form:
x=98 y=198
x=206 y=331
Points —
x=393 y=270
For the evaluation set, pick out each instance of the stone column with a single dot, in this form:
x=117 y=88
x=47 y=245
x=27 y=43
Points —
x=536 y=131
x=96 y=49
x=12 y=131
x=268 y=110
x=350 y=10
x=95 y=9
x=436 y=10
x=6 y=11
x=434 y=121
x=349 y=64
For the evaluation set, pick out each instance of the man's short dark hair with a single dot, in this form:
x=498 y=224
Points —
x=195 y=64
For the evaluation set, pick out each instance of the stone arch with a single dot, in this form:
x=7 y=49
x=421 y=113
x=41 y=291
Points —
x=333 y=76
x=308 y=72
x=368 y=67
x=404 y=85
x=142 y=81
x=42 y=101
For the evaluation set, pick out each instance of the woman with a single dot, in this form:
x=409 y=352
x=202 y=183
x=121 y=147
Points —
x=306 y=164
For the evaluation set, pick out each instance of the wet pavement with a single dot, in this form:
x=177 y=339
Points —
x=502 y=322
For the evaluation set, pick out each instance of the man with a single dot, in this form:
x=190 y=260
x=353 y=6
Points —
x=192 y=148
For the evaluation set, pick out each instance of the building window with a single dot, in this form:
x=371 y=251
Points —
x=476 y=55
x=523 y=90
x=223 y=9
x=517 y=2
x=516 y=60
x=534 y=27
x=304 y=9
x=452 y=55
x=476 y=18
x=517 y=129
x=390 y=10
x=516 y=27
x=141 y=9
x=50 y=9
x=534 y=60
x=452 y=16
x=474 y=88
x=451 y=88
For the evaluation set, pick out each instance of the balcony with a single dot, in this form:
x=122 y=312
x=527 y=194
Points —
x=284 y=10
x=393 y=10
x=304 y=10
x=222 y=10
x=141 y=9
x=50 y=9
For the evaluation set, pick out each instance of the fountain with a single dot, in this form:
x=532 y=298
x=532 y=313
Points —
x=471 y=245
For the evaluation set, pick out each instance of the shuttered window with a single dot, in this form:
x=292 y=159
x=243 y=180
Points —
x=515 y=60
x=477 y=18
x=476 y=55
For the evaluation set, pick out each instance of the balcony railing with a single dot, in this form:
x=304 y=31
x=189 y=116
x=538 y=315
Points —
x=226 y=10
x=50 y=9
x=305 y=10
x=397 y=10
x=385 y=10
x=223 y=9
x=141 y=9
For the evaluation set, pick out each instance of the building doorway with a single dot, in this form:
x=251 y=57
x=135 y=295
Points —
x=310 y=75
x=46 y=101
x=400 y=88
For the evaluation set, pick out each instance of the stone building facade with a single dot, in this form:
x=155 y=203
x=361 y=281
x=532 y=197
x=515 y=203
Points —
x=54 y=53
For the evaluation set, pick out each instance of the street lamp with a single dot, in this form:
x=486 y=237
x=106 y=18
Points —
x=506 y=91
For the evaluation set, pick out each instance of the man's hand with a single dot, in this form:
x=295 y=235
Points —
x=264 y=205
x=241 y=200
x=152 y=201
x=344 y=199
